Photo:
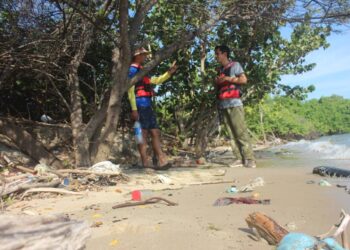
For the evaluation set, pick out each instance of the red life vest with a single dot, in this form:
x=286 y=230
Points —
x=227 y=90
x=143 y=88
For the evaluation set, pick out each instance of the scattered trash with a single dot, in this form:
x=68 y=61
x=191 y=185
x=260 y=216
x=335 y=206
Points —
x=232 y=190
x=42 y=169
x=148 y=201
x=45 y=118
x=257 y=182
x=220 y=172
x=118 y=190
x=164 y=179
x=300 y=241
x=241 y=200
x=265 y=227
x=324 y=183
x=106 y=167
x=291 y=226
x=97 y=224
x=331 y=171
x=66 y=182
x=200 y=161
x=45 y=232
x=138 y=195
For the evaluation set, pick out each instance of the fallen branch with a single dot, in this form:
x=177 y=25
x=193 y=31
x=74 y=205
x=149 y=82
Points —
x=13 y=165
x=50 y=190
x=22 y=187
x=16 y=177
x=148 y=201
x=84 y=172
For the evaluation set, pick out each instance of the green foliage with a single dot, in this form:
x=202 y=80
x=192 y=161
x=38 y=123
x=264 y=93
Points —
x=286 y=117
x=187 y=100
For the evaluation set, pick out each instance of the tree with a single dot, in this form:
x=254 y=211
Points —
x=58 y=36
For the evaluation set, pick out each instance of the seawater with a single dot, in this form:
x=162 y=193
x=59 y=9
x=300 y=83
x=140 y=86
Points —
x=325 y=151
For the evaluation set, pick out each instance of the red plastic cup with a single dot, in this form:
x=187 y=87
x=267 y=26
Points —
x=136 y=195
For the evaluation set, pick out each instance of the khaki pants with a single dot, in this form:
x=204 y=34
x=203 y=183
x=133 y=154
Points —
x=235 y=123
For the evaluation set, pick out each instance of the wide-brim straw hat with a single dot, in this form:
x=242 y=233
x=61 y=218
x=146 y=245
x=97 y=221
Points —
x=141 y=51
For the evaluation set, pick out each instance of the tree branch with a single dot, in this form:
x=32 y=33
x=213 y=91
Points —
x=136 y=22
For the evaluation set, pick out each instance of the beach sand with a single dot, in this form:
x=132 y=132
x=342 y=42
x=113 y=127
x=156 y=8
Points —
x=195 y=223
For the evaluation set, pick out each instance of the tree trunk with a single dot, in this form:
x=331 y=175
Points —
x=105 y=141
x=261 y=112
x=28 y=144
x=80 y=139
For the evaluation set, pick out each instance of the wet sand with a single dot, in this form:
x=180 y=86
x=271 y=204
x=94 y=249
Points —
x=195 y=223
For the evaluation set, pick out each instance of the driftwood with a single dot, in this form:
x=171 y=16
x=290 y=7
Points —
x=50 y=190
x=42 y=232
x=145 y=202
x=13 y=165
x=28 y=144
x=265 y=227
x=339 y=229
x=25 y=186
x=84 y=172
x=16 y=177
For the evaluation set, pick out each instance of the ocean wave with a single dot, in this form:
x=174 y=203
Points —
x=324 y=149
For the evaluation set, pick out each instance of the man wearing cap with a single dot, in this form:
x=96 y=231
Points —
x=140 y=97
x=228 y=84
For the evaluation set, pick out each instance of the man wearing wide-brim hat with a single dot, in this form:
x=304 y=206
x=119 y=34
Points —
x=140 y=97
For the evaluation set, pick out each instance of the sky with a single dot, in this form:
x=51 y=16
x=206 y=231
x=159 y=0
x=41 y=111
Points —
x=332 y=72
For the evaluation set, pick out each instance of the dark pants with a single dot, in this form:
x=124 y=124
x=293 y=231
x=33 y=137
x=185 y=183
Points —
x=147 y=118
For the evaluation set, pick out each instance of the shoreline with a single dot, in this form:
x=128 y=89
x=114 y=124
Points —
x=195 y=223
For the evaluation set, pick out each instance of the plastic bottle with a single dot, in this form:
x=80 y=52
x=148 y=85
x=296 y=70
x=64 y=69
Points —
x=138 y=132
x=138 y=195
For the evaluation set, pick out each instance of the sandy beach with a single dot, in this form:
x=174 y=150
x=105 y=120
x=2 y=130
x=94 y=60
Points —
x=195 y=223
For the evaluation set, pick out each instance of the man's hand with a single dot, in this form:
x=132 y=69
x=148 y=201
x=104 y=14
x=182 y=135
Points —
x=221 y=79
x=173 y=68
x=134 y=115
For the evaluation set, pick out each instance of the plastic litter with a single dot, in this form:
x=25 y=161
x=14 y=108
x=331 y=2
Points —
x=164 y=179
x=106 y=167
x=300 y=241
x=324 y=183
x=257 y=182
x=138 y=195
x=232 y=190
x=240 y=200
x=45 y=118
x=138 y=132
x=66 y=181
x=42 y=169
